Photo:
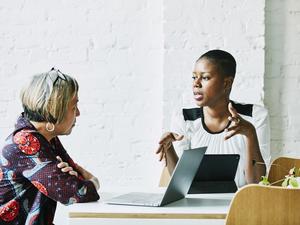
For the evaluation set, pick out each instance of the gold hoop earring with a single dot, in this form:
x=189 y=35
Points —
x=50 y=129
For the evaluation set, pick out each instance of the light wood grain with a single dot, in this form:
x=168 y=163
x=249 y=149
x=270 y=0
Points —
x=148 y=215
x=280 y=167
x=255 y=204
x=164 y=178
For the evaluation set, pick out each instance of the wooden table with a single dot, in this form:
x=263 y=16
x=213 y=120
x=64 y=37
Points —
x=194 y=209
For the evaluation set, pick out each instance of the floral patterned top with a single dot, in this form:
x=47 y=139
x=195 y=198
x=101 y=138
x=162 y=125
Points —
x=30 y=181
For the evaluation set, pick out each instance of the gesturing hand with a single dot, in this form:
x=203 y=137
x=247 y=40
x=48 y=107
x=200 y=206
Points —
x=64 y=166
x=238 y=124
x=165 y=143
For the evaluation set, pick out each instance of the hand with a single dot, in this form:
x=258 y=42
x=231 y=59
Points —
x=165 y=143
x=88 y=176
x=64 y=166
x=238 y=124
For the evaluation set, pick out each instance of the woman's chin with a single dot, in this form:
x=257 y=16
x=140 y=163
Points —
x=199 y=103
x=67 y=132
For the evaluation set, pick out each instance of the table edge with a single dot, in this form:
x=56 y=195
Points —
x=148 y=215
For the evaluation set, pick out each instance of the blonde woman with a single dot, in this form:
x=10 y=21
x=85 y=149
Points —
x=35 y=169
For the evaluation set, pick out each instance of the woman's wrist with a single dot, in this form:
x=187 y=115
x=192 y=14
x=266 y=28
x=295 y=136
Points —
x=251 y=131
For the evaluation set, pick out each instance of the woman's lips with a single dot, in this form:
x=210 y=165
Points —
x=198 y=96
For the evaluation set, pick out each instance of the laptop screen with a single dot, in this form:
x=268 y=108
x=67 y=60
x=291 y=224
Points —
x=216 y=174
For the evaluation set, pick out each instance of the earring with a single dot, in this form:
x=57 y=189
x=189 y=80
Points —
x=48 y=128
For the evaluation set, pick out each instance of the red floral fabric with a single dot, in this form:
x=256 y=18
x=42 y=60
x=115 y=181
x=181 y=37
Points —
x=40 y=187
x=9 y=211
x=30 y=181
x=27 y=143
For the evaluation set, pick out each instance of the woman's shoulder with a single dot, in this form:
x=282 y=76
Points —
x=27 y=141
x=250 y=110
x=188 y=113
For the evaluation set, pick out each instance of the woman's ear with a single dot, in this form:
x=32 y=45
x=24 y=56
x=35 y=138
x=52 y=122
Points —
x=228 y=81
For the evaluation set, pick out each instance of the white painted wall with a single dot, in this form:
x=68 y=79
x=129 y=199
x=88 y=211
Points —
x=193 y=27
x=133 y=60
x=115 y=50
x=282 y=89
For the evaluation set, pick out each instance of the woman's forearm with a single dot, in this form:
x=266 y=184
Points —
x=253 y=170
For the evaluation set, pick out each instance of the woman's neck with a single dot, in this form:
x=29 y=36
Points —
x=217 y=111
x=216 y=117
x=41 y=128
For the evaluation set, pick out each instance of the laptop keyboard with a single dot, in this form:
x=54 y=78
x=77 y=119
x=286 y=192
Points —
x=139 y=198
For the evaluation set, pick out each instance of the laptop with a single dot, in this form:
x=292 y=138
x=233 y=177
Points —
x=216 y=174
x=179 y=184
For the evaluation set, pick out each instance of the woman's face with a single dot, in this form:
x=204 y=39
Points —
x=66 y=126
x=209 y=86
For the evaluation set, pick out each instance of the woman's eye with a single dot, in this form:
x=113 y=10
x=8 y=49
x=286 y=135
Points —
x=194 y=77
x=205 y=78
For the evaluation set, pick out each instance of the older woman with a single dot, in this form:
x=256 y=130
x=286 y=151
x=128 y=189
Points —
x=35 y=169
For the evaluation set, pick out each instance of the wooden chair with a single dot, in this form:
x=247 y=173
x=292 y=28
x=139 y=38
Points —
x=279 y=168
x=267 y=205
x=164 y=178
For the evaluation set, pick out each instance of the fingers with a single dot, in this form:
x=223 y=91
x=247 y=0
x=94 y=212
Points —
x=161 y=155
x=167 y=137
x=160 y=149
x=65 y=168
x=59 y=159
x=178 y=137
x=62 y=165
x=236 y=119
x=231 y=131
x=232 y=110
x=74 y=173
x=170 y=137
x=166 y=141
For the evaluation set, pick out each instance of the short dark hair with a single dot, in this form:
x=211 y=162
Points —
x=223 y=60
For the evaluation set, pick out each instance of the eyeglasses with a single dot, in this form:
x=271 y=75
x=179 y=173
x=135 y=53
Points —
x=55 y=74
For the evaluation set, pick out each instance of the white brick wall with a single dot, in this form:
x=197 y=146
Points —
x=282 y=78
x=114 y=49
x=133 y=60
x=193 y=27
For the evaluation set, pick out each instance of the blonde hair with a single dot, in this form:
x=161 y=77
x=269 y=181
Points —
x=46 y=97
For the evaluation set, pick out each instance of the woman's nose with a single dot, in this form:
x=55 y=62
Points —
x=197 y=82
x=77 y=112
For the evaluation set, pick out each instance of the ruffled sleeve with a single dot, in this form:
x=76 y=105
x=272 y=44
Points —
x=262 y=125
x=179 y=126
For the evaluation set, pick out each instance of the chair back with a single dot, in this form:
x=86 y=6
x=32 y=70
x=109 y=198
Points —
x=267 y=205
x=164 y=178
x=281 y=167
